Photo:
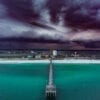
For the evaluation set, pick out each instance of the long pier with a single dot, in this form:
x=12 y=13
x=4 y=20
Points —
x=50 y=87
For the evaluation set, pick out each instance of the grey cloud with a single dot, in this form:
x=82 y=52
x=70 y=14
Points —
x=25 y=18
x=3 y=11
x=69 y=10
x=20 y=9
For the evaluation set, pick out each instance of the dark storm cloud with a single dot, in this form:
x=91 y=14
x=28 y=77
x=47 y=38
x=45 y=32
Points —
x=3 y=11
x=84 y=14
x=65 y=20
x=55 y=7
x=21 y=9
x=73 y=13
x=76 y=13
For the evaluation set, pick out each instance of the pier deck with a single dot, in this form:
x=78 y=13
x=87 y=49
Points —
x=50 y=87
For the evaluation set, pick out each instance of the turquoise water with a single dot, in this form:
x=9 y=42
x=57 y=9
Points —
x=27 y=81
x=78 y=81
x=22 y=81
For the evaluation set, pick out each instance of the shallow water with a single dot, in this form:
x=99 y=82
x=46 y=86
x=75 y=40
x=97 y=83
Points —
x=27 y=81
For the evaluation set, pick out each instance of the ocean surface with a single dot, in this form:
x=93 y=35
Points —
x=28 y=81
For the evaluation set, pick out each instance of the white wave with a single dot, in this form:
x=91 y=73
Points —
x=22 y=61
x=80 y=61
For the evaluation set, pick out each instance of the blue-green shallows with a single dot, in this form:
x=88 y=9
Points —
x=27 y=81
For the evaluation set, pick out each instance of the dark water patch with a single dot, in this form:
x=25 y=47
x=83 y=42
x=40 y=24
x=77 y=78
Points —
x=23 y=69
x=77 y=81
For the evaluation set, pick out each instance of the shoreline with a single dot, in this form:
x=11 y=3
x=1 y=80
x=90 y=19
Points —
x=72 y=61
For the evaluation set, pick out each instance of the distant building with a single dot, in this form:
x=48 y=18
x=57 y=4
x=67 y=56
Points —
x=54 y=53
x=38 y=56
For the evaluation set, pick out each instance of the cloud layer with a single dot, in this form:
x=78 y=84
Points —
x=50 y=19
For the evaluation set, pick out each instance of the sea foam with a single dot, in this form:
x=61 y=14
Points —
x=54 y=61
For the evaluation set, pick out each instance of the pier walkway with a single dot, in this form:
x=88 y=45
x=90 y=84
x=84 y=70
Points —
x=50 y=87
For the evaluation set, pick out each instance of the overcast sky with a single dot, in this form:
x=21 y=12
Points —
x=50 y=19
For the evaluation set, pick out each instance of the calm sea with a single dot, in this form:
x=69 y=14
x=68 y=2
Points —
x=27 y=81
